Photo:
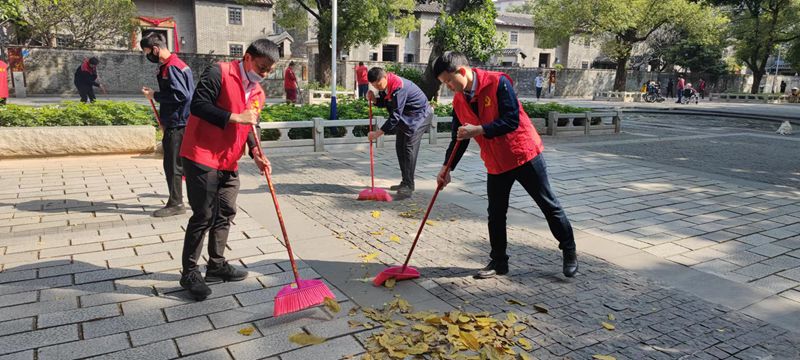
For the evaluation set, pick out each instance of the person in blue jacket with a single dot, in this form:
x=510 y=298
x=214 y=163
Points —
x=410 y=116
x=175 y=89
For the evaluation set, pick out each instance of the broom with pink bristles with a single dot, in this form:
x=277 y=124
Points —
x=373 y=193
x=406 y=272
x=301 y=294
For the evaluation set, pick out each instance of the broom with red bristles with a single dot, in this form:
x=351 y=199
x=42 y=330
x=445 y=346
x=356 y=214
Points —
x=301 y=294
x=373 y=193
x=406 y=272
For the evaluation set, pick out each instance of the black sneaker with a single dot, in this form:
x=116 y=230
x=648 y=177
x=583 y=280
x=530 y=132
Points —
x=170 y=211
x=226 y=272
x=194 y=283
x=398 y=186
x=493 y=269
x=404 y=192
x=570 y=263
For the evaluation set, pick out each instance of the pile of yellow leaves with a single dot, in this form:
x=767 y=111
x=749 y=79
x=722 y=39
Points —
x=453 y=335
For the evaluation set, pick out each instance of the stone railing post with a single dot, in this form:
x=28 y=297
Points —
x=318 y=135
x=378 y=124
x=552 y=123
x=433 y=133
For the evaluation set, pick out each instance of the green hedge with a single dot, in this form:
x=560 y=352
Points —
x=73 y=113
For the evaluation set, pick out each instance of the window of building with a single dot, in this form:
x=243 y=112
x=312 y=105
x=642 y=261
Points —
x=409 y=58
x=236 y=50
x=513 y=37
x=234 y=15
x=390 y=53
x=584 y=65
x=373 y=56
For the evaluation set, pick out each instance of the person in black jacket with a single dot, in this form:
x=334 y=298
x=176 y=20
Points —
x=410 y=116
x=175 y=88
x=86 y=79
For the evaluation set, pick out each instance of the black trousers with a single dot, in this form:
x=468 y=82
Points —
x=538 y=92
x=173 y=168
x=87 y=94
x=407 y=147
x=533 y=177
x=212 y=195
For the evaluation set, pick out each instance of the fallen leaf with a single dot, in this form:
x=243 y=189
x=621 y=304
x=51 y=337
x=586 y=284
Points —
x=515 y=302
x=376 y=214
x=430 y=222
x=418 y=349
x=376 y=232
x=354 y=311
x=247 y=331
x=525 y=344
x=603 y=357
x=611 y=317
x=389 y=283
x=470 y=341
x=394 y=238
x=332 y=305
x=369 y=257
x=424 y=328
x=540 y=308
x=525 y=356
x=354 y=323
x=608 y=326
x=306 y=339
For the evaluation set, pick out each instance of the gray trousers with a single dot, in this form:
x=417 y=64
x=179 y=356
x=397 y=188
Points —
x=407 y=147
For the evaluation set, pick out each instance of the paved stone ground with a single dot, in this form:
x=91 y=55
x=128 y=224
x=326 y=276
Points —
x=87 y=273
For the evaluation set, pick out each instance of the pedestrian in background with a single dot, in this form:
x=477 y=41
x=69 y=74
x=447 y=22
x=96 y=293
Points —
x=538 y=82
x=86 y=79
x=3 y=82
x=290 y=84
x=701 y=87
x=361 y=80
x=670 y=89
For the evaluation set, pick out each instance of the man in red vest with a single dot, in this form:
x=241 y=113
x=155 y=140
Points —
x=175 y=89
x=290 y=84
x=486 y=108
x=3 y=82
x=225 y=106
x=361 y=80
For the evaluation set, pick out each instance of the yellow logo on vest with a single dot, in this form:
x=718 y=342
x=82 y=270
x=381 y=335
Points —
x=487 y=102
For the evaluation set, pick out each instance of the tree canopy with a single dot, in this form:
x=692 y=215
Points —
x=621 y=24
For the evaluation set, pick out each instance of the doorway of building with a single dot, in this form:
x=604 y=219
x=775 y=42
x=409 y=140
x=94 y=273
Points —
x=390 y=53
x=544 y=60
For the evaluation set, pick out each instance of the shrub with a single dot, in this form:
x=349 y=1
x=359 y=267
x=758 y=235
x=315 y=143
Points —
x=412 y=74
x=73 y=113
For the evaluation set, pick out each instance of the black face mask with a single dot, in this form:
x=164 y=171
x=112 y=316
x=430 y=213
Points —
x=152 y=57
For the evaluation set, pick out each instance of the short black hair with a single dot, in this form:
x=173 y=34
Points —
x=263 y=48
x=360 y=63
x=151 y=40
x=375 y=74
x=291 y=63
x=94 y=61
x=450 y=61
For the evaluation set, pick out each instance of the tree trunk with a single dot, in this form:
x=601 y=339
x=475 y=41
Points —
x=757 y=76
x=621 y=76
x=322 y=73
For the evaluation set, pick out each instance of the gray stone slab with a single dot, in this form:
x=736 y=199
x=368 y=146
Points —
x=234 y=287
x=16 y=326
x=84 y=348
x=156 y=351
x=124 y=323
x=151 y=303
x=170 y=330
x=36 y=284
x=42 y=308
x=106 y=274
x=777 y=310
x=38 y=338
x=18 y=298
x=217 y=354
x=213 y=339
x=258 y=296
x=769 y=250
x=10 y=276
x=242 y=315
x=775 y=283
x=200 y=308
x=332 y=349
x=78 y=315
x=23 y=355
x=266 y=346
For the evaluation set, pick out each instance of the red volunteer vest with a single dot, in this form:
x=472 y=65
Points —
x=221 y=149
x=3 y=80
x=501 y=153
